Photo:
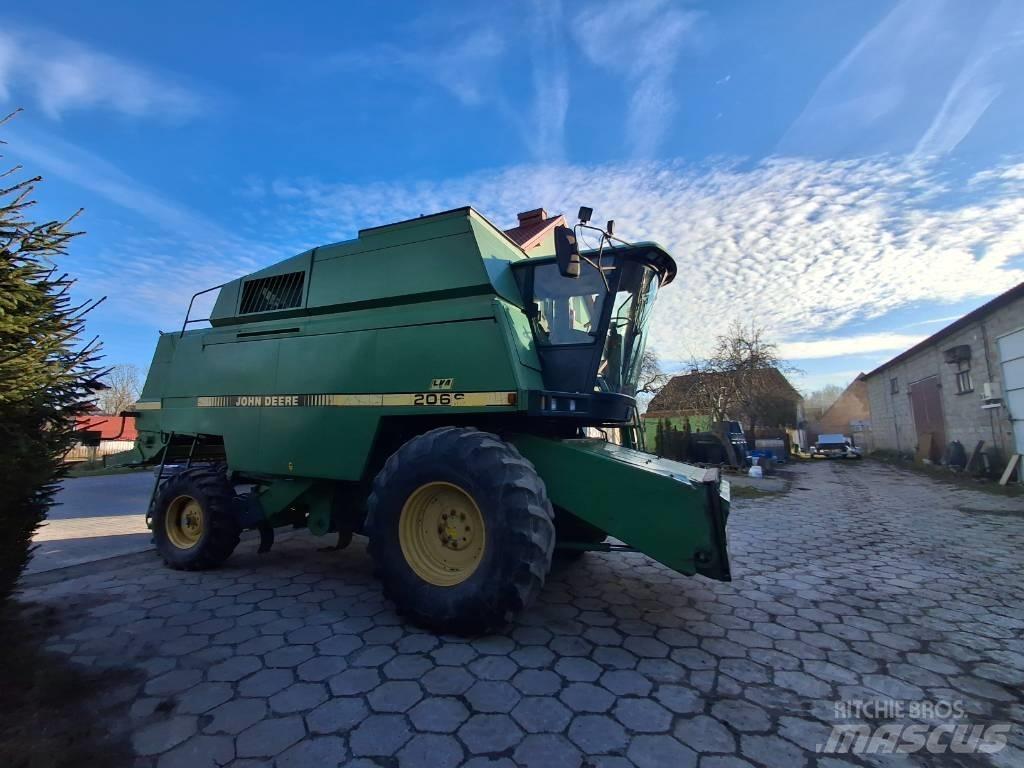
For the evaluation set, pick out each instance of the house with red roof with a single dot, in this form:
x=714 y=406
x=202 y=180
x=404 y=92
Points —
x=535 y=232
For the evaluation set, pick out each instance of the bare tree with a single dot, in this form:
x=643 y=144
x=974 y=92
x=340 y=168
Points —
x=123 y=385
x=652 y=378
x=741 y=379
x=820 y=400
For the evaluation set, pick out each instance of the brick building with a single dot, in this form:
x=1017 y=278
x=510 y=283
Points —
x=961 y=384
x=850 y=414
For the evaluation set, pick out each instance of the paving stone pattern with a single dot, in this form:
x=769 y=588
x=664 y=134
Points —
x=863 y=582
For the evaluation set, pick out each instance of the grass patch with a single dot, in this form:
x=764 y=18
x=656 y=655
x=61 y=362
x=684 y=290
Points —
x=746 y=492
x=55 y=714
x=87 y=469
x=948 y=476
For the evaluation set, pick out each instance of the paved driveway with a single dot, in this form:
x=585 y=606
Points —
x=864 y=584
x=95 y=518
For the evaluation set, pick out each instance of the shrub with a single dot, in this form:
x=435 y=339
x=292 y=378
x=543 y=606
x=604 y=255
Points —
x=48 y=377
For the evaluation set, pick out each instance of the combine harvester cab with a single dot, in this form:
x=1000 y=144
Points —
x=433 y=387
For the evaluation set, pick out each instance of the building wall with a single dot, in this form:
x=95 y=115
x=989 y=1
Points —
x=852 y=405
x=892 y=420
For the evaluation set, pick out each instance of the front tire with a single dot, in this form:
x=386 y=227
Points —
x=460 y=530
x=193 y=527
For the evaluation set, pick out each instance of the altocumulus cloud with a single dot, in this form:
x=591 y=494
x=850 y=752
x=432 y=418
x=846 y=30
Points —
x=63 y=75
x=805 y=246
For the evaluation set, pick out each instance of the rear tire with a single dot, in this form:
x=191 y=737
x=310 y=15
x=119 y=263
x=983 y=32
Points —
x=460 y=530
x=193 y=527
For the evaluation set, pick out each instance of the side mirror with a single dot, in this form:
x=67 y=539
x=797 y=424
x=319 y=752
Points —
x=567 y=253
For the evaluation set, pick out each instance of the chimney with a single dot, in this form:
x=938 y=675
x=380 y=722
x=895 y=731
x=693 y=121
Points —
x=536 y=216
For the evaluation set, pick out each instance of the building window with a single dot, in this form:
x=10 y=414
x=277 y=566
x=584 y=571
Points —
x=963 y=377
x=894 y=386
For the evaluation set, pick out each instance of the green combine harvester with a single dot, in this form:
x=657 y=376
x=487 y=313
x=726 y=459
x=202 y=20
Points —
x=430 y=386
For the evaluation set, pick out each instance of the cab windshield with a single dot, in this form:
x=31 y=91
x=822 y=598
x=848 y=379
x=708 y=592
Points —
x=619 y=369
x=591 y=330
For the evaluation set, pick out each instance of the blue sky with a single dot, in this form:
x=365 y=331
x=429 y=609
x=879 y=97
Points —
x=848 y=174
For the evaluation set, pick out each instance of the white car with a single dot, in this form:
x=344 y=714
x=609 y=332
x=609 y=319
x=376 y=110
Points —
x=835 y=447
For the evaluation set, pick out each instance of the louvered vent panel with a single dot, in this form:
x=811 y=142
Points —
x=266 y=294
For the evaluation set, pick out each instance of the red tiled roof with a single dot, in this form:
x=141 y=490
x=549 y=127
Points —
x=533 y=225
x=107 y=426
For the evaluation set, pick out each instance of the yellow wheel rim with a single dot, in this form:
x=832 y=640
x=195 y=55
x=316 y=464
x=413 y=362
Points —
x=184 y=522
x=442 y=533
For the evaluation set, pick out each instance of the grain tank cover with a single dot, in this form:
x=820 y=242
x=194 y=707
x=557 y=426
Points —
x=445 y=255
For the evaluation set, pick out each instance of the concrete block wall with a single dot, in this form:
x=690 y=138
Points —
x=892 y=419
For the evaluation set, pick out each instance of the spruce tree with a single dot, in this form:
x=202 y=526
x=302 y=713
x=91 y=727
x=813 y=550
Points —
x=48 y=376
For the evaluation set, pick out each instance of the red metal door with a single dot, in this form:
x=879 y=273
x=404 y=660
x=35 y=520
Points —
x=926 y=402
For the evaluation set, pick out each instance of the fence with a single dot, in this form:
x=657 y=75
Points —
x=93 y=452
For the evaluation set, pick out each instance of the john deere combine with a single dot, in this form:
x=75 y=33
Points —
x=430 y=386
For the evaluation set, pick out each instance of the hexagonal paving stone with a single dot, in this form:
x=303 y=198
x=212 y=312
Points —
x=379 y=735
x=586 y=697
x=447 y=681
x=492 y=696
x=578 y=670
x=431 y=751
x=288 y=656
x=339 y=645
x=163 y=735
x=439 y=714
x=395 y=696
x=541 y=714
x=493 y=668
x=771 y=750
x=704 y=734
x=453 y=654
x=203 y=697
x=337 y=715
x=624 y=682
x=322 y=752
x=233 y=669
x=679 y=699
x=173 y=682
x=544 y=750
x=537 y=682
x=298 y=697
x=353 y=681
x=741 y=715
x=270 y=737
x=642 y=715
x=235 y=716
x=596 y=734
x=660 y=752
x=490 y=733
x=266 y=682
x=200 y=751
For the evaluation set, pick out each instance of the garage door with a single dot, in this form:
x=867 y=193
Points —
x=1011 y=355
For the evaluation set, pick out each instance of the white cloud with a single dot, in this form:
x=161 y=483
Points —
x=461 y=64
x=640 y=41
x=803 y=247
x=839 y=346
x=920 y=80
x=980 y=81
x=186 y=252
x=63 y=75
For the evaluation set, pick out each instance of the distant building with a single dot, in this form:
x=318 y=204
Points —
x=964 y=383
x=535 y=233
x=684 y=399
x=101 y=435
x=849 y=415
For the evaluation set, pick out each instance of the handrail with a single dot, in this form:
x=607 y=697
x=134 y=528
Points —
x=189 y=312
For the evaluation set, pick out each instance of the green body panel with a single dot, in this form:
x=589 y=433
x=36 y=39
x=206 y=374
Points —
x=672 y=512
x=408 y=327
